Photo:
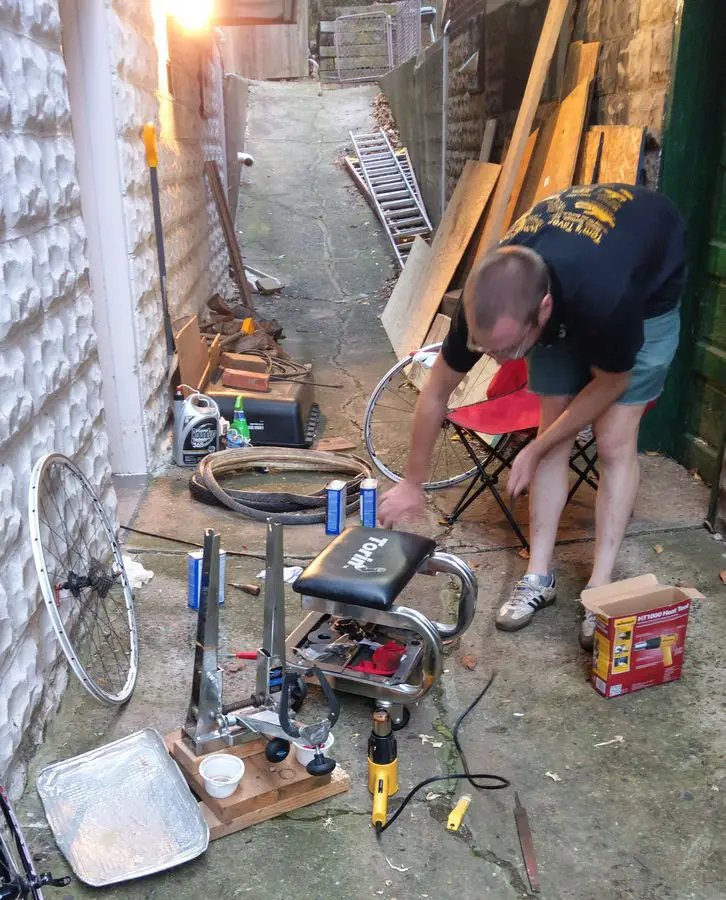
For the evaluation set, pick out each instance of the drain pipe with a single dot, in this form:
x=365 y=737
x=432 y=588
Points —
x=444 y=112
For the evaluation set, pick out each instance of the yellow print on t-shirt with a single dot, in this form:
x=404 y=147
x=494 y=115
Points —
x=589 y=210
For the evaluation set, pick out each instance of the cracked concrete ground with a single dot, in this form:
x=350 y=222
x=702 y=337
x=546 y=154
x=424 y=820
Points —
x=640 y=819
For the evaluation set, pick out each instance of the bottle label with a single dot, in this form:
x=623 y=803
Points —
x=202 y=436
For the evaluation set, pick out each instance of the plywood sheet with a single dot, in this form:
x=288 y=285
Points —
x=588 y=160
x=581 y=64
x=611 y=153
x=623 y=147
x=404 y=299
x=452 y=238
x=555 y=155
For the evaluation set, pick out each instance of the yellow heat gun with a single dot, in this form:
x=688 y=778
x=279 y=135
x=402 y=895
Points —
x=382 y=766
x=665 y=642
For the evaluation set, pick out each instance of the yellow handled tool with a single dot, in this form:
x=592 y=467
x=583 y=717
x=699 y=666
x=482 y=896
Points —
x=458 y=813
x=382 y=766
x=666 y=642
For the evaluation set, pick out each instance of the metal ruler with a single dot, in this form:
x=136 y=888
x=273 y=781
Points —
x=397 y=204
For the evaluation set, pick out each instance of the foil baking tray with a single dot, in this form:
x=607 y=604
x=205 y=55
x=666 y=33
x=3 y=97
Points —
x=122 y=811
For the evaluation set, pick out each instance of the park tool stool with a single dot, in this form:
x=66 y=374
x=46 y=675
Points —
x=350 y=591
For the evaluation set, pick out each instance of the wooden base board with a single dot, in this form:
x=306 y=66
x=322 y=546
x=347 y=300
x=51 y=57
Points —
x=267 y=789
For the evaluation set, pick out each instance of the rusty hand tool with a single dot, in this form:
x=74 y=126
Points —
x=525 y=840
x=252 y=589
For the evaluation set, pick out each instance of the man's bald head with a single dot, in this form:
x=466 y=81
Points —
x=508 y=281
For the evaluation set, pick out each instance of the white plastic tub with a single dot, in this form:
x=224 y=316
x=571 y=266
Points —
x=305 y=753
x=221 y=774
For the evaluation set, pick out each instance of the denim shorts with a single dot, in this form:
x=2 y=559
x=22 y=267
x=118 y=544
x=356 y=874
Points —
x=561 y=370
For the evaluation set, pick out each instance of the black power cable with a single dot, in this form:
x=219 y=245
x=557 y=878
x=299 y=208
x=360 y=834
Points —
x=498 y=783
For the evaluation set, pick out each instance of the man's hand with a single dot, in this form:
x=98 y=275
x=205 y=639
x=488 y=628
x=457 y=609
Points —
x=523 y=469
x=402 y=503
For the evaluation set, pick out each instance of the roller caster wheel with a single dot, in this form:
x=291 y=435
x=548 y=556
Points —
x=403 y=721
x=277 y=750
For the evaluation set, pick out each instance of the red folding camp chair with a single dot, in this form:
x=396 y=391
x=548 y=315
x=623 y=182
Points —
x=496 y=429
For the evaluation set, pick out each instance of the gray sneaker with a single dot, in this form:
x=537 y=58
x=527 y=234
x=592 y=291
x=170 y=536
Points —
x=529 y=594
x=587 y=631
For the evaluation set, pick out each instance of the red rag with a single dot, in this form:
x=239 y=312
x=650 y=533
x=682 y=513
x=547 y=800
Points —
x=385 y=660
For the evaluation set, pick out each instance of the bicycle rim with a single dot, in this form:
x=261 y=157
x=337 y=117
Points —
x=15 y=857
x=388 y=421
x=83 y=580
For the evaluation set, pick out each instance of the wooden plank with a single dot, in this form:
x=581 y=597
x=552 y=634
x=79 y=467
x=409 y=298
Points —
x=490 y=130
x=556 y=12
x=402 y=302
x=519 y=182
x=552 y=166
x=407 y=323
x=581 y=64
x=211 y=170
x=339 y=783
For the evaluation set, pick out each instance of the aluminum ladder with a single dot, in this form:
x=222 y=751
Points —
x=397 y=204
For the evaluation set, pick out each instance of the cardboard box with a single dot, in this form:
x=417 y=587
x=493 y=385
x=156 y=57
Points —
x=640 y=634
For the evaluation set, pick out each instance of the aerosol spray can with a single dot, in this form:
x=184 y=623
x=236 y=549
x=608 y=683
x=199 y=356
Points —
x=369 y=502
x=196 y=428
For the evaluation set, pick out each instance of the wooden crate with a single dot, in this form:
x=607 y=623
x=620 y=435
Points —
x=267 y=789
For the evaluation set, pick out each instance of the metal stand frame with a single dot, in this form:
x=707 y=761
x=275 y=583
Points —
x=209 y=725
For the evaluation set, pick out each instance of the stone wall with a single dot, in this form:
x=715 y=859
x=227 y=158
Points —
x=635 y=59
x=50 y=380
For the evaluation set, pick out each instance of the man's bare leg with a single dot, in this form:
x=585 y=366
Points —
x=548 y=495
x=548 y=492
x=616 y=432
x=617 y=448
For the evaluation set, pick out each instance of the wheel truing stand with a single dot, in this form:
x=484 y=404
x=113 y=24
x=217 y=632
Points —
x=211 y=726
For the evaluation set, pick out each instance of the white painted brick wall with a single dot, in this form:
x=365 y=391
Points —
x=50 y=380
x=196 y=256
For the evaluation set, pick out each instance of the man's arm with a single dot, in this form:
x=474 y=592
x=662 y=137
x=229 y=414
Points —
x=585 y=408
x=405 y=500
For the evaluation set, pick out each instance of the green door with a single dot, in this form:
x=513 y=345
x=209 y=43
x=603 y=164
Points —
x=689 y=421
x=705 y=424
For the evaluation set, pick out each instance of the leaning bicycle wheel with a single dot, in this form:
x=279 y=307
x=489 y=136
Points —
x=83 y=580
x=388 y=421
x=17 y=873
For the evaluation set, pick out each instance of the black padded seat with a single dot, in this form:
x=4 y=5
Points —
x=365 y=566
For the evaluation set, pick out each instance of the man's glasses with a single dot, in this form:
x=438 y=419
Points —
x=516 y=351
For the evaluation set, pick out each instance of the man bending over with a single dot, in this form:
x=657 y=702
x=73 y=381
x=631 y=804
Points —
x=586 y=285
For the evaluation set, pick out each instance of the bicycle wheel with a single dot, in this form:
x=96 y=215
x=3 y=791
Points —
x=83 y=580
x=388 y=421
x=17 y=873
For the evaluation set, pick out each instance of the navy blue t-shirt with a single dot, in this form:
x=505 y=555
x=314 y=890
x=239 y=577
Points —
x=616 y=255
